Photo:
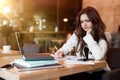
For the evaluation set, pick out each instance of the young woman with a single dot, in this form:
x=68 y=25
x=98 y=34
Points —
x=88 y=35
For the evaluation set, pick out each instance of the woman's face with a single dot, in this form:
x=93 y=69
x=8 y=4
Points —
x=85 y=22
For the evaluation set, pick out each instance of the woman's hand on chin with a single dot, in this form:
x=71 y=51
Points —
x=88 y=32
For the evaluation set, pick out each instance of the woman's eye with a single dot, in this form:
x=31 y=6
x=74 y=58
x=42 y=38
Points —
x=87 y=20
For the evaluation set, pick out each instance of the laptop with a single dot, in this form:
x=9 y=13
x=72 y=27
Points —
x=32 y=56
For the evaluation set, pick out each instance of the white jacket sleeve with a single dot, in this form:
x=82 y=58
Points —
x=99 y=49
x=70 y=44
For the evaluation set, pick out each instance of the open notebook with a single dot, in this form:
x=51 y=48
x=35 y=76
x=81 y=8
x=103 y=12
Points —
x=32 y=56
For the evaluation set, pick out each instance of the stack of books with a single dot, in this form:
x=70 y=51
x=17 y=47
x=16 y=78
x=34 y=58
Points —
x=22 y=65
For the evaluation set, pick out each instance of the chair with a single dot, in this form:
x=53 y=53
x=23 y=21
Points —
x=31 y=48
x=113 y=58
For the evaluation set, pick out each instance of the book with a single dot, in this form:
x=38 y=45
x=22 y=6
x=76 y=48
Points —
x=21 y=68
x=38 y=63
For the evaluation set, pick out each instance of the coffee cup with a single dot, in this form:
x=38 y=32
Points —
x=6 y=48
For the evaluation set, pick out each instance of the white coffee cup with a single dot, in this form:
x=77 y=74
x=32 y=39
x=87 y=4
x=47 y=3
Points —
x=6 y=48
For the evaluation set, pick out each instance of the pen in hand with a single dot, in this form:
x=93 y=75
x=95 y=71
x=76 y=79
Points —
x=56 y=48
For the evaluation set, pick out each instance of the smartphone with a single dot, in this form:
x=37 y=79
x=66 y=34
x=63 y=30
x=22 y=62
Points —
x=7 y=66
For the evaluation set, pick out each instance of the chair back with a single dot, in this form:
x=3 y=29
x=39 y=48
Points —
x=113 y=58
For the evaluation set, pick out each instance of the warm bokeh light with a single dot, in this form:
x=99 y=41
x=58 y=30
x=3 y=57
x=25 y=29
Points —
x=7 y=6
x=65 y=19
x=3 y=3
x=6 y=9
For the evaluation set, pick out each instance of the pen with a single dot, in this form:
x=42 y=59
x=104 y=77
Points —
x=56 y=48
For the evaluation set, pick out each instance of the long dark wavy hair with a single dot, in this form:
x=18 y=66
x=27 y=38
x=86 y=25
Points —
x=98 y=27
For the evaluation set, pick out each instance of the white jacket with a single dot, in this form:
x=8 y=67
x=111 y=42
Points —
x=98 y=50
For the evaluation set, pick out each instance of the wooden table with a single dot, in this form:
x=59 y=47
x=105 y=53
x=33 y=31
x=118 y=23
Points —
x=46 y=74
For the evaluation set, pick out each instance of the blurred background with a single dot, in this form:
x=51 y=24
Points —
x=42 y=22
x=41 y=14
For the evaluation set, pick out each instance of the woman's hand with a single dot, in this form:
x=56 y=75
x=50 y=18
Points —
x=58 y=55
x=88 y=32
